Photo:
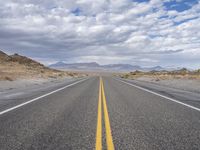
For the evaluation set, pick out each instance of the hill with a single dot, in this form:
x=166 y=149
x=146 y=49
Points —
x=16 y=66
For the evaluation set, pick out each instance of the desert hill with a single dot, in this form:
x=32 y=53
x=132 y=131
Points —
x=16 y=66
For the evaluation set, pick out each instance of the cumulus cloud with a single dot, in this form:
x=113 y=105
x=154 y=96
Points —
x=105 y=31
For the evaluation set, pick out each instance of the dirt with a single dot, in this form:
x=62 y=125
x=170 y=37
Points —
x=180 y=79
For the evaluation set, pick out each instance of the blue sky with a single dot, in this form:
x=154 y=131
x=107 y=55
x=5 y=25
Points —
x=180 y=5
x=138 y=32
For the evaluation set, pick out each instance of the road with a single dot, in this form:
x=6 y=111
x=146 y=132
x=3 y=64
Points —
x=102 y=113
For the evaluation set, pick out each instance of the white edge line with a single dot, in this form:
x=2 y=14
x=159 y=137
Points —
x=35 y=99
x=171 y=99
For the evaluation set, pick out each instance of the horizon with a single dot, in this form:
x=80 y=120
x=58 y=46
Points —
x=136 y=32
x=102 y=64
x=164 y=67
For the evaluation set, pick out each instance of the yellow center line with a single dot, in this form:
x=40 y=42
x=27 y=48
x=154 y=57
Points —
x=99 y=123
x=109 y=140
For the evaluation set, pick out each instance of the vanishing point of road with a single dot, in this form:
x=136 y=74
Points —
x=102 y=113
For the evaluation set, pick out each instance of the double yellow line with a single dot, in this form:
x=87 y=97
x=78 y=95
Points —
x=109 y=140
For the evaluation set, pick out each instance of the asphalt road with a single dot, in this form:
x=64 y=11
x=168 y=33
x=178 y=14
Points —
x=102 y=114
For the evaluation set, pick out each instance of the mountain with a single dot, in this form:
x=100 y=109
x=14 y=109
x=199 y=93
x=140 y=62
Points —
x=75 y=66
x=121 y=67
x=16 y=66
x=59 y=64
x=156 y=68
x=96 y=67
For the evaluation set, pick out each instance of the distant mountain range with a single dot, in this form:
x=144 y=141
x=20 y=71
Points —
x=93 y=66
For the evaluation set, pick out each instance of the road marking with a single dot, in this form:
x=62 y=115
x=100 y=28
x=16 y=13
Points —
x=171 y=99
x=35 y=99
x=99 y=122
x=109 y=140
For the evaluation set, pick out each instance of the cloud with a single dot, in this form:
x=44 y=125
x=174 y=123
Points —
x=114 y=31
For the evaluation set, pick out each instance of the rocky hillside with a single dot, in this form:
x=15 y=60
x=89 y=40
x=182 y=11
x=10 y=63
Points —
x=16 y=66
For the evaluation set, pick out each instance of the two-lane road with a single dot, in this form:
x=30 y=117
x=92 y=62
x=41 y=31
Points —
x=103 y=114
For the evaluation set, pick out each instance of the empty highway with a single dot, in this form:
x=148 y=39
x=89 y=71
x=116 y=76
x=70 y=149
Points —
x=102 y=113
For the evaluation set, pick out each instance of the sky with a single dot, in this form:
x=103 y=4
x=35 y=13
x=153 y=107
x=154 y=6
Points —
x=137 y=32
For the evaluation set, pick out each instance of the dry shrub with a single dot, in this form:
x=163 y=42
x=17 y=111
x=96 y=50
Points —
x=164 y=75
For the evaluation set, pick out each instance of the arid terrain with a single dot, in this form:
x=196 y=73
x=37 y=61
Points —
x=15 y=66
x=180 y=79
x=164 y=75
